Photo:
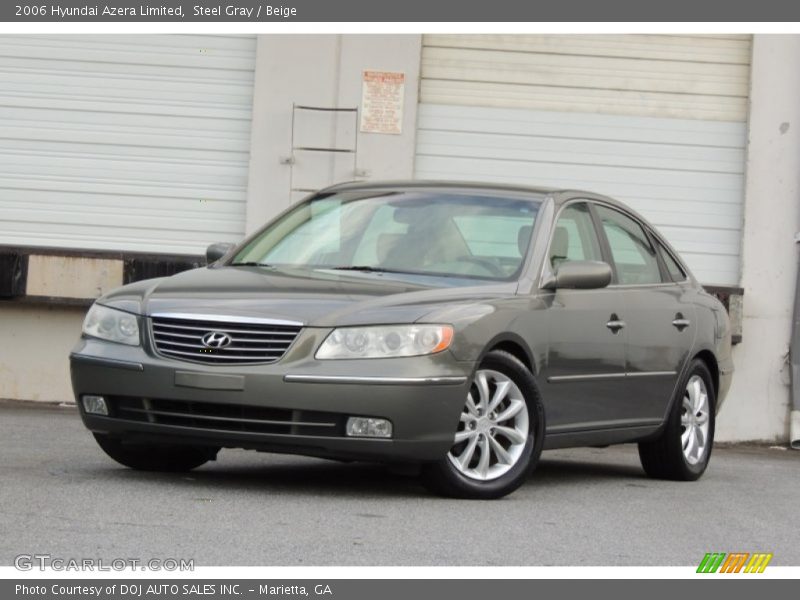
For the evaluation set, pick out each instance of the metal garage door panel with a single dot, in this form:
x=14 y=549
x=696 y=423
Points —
x=552 y=124
x=692 y=185
x=124 y=142
x=620 y=102
x=665 y=168
x=724 y=49
x=687 y=77
x=655 y=120
x=576 y=71
x=591 y=152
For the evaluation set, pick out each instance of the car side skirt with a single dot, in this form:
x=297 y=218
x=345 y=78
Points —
x=601 y=437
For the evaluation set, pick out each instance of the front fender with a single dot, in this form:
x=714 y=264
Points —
x=518 y=320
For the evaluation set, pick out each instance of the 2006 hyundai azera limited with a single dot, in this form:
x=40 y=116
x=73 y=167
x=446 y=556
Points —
x=459 y=327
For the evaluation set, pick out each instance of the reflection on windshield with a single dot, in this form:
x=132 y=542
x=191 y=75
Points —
x=428 y=233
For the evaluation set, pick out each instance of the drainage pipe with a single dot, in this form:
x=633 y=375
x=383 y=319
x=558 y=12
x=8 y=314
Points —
x=794 y=353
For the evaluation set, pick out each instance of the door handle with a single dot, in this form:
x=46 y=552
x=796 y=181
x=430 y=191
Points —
x=615 y=324
x=681 y=323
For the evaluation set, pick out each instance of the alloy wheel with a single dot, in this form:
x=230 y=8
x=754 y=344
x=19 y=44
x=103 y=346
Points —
x=493 y=429
x=695 y=420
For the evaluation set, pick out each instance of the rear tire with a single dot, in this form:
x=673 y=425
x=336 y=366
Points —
x=682 y=451
x=499 y=437
x=169 y=458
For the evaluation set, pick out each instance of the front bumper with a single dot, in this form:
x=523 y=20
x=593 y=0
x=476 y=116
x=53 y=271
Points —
x=277 y=407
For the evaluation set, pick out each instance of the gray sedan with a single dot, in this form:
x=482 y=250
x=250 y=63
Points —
x=460 y=327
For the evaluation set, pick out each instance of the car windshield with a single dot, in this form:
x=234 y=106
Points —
x=456 y=234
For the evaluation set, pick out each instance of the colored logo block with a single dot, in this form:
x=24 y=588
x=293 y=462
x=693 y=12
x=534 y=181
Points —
x=734 y=562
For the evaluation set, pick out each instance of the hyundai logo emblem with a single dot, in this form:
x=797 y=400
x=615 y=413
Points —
x=216 y=339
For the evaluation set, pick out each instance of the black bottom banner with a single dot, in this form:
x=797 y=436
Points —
x=384 y=589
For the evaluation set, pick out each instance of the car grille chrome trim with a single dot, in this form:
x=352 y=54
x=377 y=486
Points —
x=215 y=326
x=227 y=319
x=251 y=342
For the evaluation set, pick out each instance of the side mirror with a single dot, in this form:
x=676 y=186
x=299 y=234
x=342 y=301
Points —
x=581 y=275
x=216 y=251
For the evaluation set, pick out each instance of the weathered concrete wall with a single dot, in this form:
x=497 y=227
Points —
x=72 y=276
x=758 y=405
x=34 y=353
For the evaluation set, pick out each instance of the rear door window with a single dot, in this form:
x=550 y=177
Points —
x=634 y=257
x=676 y=273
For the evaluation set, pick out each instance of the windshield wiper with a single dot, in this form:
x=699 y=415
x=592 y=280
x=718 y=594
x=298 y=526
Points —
x=364 y=268
x=369 y=269
x=249 y=264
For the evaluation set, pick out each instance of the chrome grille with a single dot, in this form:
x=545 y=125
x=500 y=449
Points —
x=251 y=341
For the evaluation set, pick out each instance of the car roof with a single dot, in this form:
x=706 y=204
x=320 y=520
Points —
x=421 y=184
x=559 y=195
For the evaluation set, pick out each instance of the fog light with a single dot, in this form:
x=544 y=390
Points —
x=95 y=405
x=366 y=427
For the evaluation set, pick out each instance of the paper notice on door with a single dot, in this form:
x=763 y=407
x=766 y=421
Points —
x=382 y=102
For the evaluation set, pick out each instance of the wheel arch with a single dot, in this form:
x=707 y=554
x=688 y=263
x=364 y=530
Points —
x=710 y=360
x=707 y=357
x=713 y=366
x=514 y=345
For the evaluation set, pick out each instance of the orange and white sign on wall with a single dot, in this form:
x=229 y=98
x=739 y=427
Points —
x=382 y=95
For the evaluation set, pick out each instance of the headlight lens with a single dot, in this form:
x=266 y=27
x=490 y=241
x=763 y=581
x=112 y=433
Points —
x=112 y=325
x=386 y=341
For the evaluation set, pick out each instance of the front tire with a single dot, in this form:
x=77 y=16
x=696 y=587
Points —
x=165 y=458
x=682 y=451
x=499 y=437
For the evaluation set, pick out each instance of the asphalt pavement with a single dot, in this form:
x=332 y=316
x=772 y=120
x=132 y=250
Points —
x=60 y=495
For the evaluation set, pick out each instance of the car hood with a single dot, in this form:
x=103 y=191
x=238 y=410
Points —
x=320 y=298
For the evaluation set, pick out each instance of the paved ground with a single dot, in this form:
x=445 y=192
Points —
x=60 y=495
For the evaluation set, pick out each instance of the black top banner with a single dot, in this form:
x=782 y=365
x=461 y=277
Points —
x=470 y=11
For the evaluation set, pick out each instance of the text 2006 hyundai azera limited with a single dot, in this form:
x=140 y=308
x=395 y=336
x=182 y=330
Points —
x=460 y=327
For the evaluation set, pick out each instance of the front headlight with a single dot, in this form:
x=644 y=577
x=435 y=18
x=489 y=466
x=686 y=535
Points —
x=112 y=325
x=385 y=341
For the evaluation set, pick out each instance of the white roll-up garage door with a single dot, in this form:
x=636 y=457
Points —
x=124 y=142
x=656 y=121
